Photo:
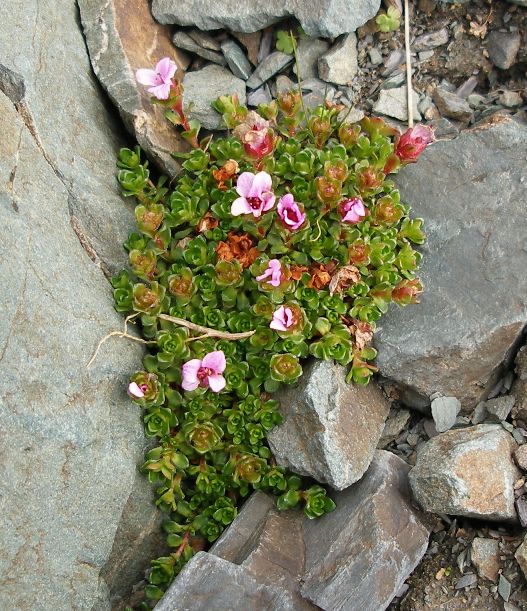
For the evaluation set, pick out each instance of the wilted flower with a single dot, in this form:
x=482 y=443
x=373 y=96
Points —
x=256 y=195
x=352 y=210
x=255 y=135
x=282 y=319
x=206 y=372
x=274 y=272
x=159 y=80
x=329 y=190
x=289 y=212
x=413 y=142
x=407 y=292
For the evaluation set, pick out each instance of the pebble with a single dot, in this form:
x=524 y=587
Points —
x=394 y=81
x=480 y=413
x=510 y=99
x=266 y=44
x=476 y=101
x=272 y=64
x=340 y=64
x=393 y=103
x=466 y=88
x=452 y=106
x=204 y=40
x=503 y=48
x=262 y=95
x=499 y=408
x=284 y=84
x=182 y=40
x=309 y=50
x=425 y=55
x=504 y=588
x=467 y=580
x=444 y=412
x=393 y=61
x=375 y=56
x=431 y=40
x=485 y=556
x=251 y=42
x=236 y=59
x=520 y=456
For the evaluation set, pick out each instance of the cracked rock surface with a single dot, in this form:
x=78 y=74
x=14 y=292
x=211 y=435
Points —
x=70 y=441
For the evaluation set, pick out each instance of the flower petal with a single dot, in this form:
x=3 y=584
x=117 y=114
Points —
x=216 y=382
x=268 y=201
x=134 y=391
x=145 y=76
x=240 y=206
x=244 y=184
x=190 y=374
x=215 y=361
x=166 y=68
x=277 y=325
x=262 y=182
x=161 y=92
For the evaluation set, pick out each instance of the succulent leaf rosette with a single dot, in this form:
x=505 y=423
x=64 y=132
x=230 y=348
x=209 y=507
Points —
x=284 y=240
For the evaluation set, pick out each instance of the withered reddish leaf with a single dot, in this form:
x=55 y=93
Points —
x=238 y=247
x=320 y=276
x=362 y=332
x=208 y=221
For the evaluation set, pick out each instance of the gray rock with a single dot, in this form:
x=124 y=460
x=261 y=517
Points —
x=393 y=61
x=284 y=84
x=503 y=48
x=480 y=413
x=209 y=583
x=358 y=556
x=272 y=64
x=504 y=588
x=395 y=424
x=251 y=42
x=394 y=81
x=326 y=18
x=238 y=63
x=466 y=581
x=183 y=41
x=204 y=40
x=394 y=103
x=485 y=556
x=444 y=412
x=466 y=88
x=476 y=101
x=467 y=472
x=452 y=106
x=122 y=37
x=521 y=556
x=424 y=56
x=204 y=86
x=519 y=388
x=426 y=348
x=259 y=96
x=520 y=456
x=330 y=428
x=443 y=128
x=375 y=56
x=340 y=64
x=431 y=40
x=70 y=440
x=510 y=99
x=499 y=408
x=308 y=51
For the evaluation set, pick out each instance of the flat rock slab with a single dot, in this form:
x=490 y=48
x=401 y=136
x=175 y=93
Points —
x=467 y=472
x=356 y=557
x=475 y=302
x=122 y=36
x=330 y=429
x=326 y=18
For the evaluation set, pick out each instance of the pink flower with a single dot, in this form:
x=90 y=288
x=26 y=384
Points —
x=289 y=212
x=413 y=142
x=206 y=372
x=135 y=391
x=255 y=135
x=282 y=319
x=256 y=196
x=273 y=271
x=352 y=210
x=159 y=80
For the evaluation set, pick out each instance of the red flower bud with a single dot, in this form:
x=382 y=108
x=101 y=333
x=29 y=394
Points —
x=413 y=142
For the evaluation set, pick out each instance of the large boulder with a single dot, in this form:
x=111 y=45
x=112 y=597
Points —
x=471 y=192
x=468 y=472
x=121 y=37
x=70 y=440
x=326 y=18
x=330 y=429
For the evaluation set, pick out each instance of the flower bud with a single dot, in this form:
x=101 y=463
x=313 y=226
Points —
x=328 y=189
x=406 y=292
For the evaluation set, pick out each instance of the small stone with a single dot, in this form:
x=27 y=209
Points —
x=205 y=40
x=452 y=106
x=476 y=101
x=351 y=115
x=467 y=472
x=503 y=48
x=485 y=555
x=266 y=44
x=375 y=56
x=339 y=65
x=272 y=64
x=504 y=588
x=466 y=581
x=430 y=428
x=466 y=88
x=520 y=456
x=330 y=429
x=393 y=61
x=251 y=42
x=394 y=81
x=393 y=103
x=519 y=388
x=236 y=59
x=521 y=556
x=424 y=56
x=521 y=508
x=262 y=95
x=480 y=413
x=395 y=423
x=284 y=84
x=308 y=51
x=444 y=412
x=182 y=40
x=203 y=87
x=510 y=99
x=499 y=408
x=431 y=40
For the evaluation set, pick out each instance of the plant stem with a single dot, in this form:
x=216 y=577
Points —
x=207 y=332
x=408 y=64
